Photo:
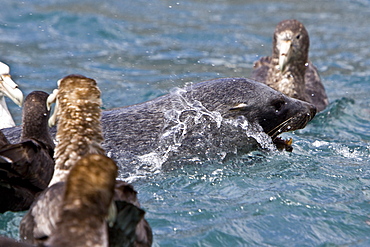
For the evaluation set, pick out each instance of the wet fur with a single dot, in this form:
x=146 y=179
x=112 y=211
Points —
x=141 y=129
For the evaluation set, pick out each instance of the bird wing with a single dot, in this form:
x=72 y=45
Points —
x=129 y=214
x=40 y=221
x=314 y=88
x=260 y=69
x=30 y=161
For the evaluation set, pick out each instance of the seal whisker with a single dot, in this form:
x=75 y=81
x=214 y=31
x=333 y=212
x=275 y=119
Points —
x=302 y=121
x=275 y=130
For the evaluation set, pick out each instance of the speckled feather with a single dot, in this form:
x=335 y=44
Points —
x=74 y=212
x=300 y=78
x=87 y=197
x=79 y=131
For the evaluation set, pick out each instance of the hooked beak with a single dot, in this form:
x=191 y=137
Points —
x=112 y=214
x=50 y=100
x=285 y=53
x=10 y=89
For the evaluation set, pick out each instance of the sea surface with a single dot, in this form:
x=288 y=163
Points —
x=318 y=195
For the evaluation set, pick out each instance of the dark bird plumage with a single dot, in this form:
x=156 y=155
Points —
x=78 y=134
x=289 y=70
x=27 y=167
x=129 y=227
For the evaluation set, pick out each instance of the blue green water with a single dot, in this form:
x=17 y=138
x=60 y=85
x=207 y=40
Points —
x=318 y=195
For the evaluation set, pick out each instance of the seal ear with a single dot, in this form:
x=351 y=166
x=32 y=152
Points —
x=241 y=106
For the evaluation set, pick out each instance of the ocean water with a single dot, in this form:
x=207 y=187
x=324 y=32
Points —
x=318 y=195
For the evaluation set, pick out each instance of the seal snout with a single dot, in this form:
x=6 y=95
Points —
x=312 y=111
x=304 y=116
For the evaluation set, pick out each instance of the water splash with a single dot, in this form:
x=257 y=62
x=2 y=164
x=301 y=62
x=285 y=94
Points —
x=193 y=134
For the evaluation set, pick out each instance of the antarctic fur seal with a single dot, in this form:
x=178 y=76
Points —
x=212 y=118
x=289 y=70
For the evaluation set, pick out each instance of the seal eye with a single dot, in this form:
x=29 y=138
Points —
x=278 y=105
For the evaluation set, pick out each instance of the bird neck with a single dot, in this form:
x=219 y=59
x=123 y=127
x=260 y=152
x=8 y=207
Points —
x=39 y=132
x=76 y=137
x=290 y=81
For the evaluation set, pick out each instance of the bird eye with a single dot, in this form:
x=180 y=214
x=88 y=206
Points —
x=298 y=36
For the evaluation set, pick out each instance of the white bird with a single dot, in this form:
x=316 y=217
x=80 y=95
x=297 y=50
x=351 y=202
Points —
x=10 y=89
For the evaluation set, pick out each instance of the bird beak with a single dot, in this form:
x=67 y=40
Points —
x=50 y=100
x=112 y=214
x=285 y=53
x=10 y=89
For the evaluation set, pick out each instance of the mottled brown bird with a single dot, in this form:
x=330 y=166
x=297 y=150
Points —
x=289 y=69
x=82 y=206
x=85 y=200
x=79 y=134
x=78 y=114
